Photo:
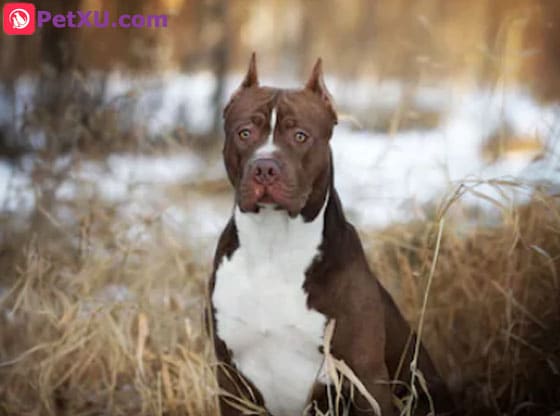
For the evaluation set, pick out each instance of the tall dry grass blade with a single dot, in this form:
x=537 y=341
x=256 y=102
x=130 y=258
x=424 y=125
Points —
x=509 y=296
x=415 y=372
x=550 y=261
x=143 y=333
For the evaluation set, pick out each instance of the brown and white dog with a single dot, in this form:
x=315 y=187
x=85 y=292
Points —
x=288 y=261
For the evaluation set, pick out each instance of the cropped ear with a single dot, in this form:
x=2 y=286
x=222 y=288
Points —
x=316 y=84
x=251 y=79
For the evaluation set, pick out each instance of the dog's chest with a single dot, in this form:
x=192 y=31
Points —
x=262 y=313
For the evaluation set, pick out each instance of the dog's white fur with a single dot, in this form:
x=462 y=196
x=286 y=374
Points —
x=261 y=307
x=269 y=147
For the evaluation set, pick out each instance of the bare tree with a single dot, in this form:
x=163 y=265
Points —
x=219 y=14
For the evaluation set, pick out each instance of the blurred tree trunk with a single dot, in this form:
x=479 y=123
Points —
x=59 y=48
x=57 y=91
x=11 y=145
x=213 y=35
x=543 y=69
x=219 y=15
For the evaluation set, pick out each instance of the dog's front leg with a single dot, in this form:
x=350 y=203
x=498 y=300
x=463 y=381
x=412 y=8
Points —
x=238 y=396
x=325 y=400
x=375 y=383
x=360 y=344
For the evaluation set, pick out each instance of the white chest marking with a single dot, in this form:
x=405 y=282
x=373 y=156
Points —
x=261 y=307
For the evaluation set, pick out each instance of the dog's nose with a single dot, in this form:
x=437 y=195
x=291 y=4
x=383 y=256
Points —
x=265 y=171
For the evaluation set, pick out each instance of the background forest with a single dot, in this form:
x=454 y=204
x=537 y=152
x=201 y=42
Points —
x=113 y=193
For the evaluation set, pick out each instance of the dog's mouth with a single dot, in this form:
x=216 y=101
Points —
x=255 y=196
x=260 y=195
x=267 y=199
x=269 y=195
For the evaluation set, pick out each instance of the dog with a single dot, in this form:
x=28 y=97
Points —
x=288 y=263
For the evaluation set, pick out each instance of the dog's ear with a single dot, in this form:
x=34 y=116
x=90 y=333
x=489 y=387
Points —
x=316 y=84
x=251 y=79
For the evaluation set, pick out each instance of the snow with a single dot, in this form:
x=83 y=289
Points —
x=15 y=189
x=382 y=178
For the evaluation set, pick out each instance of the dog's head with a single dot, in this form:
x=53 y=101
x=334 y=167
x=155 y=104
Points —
x=276 y=149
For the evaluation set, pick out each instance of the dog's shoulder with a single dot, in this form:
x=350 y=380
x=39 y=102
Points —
x=227 y=244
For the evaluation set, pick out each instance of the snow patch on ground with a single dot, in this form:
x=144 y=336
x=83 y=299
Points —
x=382 y=178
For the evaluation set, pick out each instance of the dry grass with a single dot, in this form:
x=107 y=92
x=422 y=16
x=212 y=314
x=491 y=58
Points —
x=503 y=142
x=492 y=323
x=96 y=322
x=112 y=327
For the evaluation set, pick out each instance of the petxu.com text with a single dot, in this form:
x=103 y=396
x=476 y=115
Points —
x=99 y=19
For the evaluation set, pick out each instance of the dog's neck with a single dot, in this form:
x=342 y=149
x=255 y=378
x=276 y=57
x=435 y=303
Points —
x=272 y=232
x=323 y=189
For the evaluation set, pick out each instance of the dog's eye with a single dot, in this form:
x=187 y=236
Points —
x=244 y=134
x=300 y=137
